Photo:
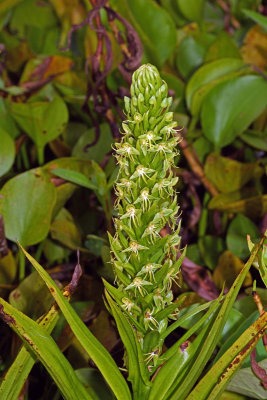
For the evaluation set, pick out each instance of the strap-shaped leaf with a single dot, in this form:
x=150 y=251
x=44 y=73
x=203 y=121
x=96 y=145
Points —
x=137 y=371
x=25 y=360
x=215 y=332
x=195 y=327
x=172 y=372
x=182 y=319
x=93 y=347
x=117 y=295
x=214 y=382
x=45 y=348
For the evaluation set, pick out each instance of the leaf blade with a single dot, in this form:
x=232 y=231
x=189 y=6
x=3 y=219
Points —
x=96 y=351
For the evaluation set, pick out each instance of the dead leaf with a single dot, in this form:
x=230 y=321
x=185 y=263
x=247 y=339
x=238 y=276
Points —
x=229 y=175
x=237 y=202
x=254 y=49
x=227 y=270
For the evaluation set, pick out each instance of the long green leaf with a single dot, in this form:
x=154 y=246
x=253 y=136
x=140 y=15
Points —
x=257 y=17
x=215 y=332
x=214 y=382
x=21 y=367
x=185 y=317
x=93 y=347
x=45 y=348
x=195 y=327
x=74 y=177
x=199 y=343
x=137 y=370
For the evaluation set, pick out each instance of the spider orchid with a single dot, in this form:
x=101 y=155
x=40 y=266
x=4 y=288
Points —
x=149 y=319
x=131 y=214
x=139 y=284
x=134 y=247
x=142 y=172
x=144 y=262
x=148 y=270
x=153 y=356
x=144 y=199
x=129 y=305
x=152 y=231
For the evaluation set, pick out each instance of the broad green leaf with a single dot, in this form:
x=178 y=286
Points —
x=231 y=106
x=95 y=350
x=28 y=14
x=174 y=83
x=216 y=380
x=230 y=175
x=41 y=343
x=258 y=140
x=257 y=17
x=238 y=230
x=99 y=150
x=210 y=249
x=190 y=56
x=26 y=203
x=191 y=9
x=32 y=287
x=202 y=146
x=154 y=26
x=66 y=233
x=222 y=47
x=54 y=252
x=7 y=152
x=210 y=72
x=7 y=122
x=74 y=177
x=66 y=190
x=246 y=383
x=42 y=121
x=207 y=77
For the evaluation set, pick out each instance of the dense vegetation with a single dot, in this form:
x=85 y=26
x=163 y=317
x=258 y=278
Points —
x=65 y=70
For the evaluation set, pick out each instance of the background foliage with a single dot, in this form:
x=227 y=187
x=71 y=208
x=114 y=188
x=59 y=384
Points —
x=65 y=68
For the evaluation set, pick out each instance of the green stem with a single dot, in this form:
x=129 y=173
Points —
x=192 y=124
x=40 y=155
x=39 y=251
x=21 y=265
x=25 y=157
